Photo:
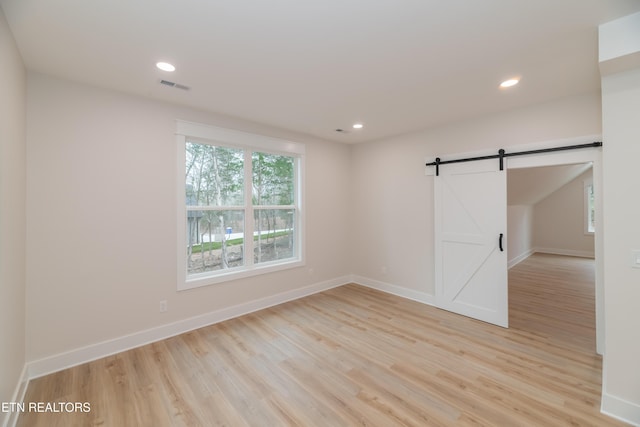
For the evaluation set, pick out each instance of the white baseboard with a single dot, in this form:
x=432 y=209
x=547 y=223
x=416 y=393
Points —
x=394 y=289
x=567 y=252
x=552 y=251
x=517 y=260
x=611 y=405
x=11 y=418
x=620 y=409
x=102 y=349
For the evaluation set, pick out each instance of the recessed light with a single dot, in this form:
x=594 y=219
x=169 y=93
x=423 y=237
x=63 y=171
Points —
x=509 y=83
x=358 y=126
x=165 y=66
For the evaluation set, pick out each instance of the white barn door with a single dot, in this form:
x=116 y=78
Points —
x=470 y=240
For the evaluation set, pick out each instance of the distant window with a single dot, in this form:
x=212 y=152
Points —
x=241 y=210
x=589 y=208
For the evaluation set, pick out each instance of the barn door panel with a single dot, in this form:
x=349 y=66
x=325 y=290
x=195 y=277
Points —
x=470 y=232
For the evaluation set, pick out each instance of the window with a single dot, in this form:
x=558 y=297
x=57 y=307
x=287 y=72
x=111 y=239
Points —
x=240 y=211
x=589 y=208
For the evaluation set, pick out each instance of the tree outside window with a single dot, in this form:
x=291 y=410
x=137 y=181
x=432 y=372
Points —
x=589 y=206
x=219 y=204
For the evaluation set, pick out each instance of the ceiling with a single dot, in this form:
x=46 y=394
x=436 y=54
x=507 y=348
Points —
x=529 y=186
x=315 y=66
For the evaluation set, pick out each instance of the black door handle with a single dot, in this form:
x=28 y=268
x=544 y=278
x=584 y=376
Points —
x=500 y=242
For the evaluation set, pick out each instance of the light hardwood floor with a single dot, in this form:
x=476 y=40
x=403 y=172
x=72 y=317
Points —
x=356 y=356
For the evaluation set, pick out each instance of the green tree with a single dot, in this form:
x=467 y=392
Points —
x=214 y=177
x=273 y=185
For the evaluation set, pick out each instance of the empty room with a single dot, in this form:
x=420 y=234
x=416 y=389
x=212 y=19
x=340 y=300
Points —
x=330 y=213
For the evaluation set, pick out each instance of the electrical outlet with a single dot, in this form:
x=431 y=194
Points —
x=635 y=258
x=163 y=306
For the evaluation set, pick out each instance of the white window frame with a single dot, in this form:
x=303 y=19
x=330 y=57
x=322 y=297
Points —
x=201 y=133
x=588 y=183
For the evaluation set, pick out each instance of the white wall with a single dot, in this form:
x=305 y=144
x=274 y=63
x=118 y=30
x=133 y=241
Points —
x=101 y=214
x=621 y=131
x=620 y=66
x=558 y=221
x=519 y=233
x=12 y=214
x=101 y=209
x=393 y=210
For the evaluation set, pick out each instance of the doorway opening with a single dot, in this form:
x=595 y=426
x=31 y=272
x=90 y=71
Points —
x=551 y=253
x=470 y=199
x=585 y=158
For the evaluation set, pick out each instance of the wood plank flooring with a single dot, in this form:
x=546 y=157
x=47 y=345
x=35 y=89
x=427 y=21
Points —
x=355 y=356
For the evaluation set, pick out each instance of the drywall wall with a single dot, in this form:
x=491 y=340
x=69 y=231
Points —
x=558 y=221
x=620 y=68
x=519 y=233
x=12 y=214
x=621 y=131
x=101 y=211
x=554 y=224
x=528 y=188
x=393 y=210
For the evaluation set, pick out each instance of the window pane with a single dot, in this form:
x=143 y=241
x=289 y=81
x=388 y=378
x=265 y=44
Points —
x=214 y=175
x=273 y=179
x=591 y=224
x=215 y=240
x=274 y=234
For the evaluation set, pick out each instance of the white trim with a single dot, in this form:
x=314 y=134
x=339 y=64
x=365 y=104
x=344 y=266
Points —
x=552 y=251
x=58 y=362
x=204 y=279
x=518 y=259
x=234 y=137
x=567 y=252
x=11 y=418
x=47 y=365
x=249 y=142
x=181 y=213
x=249 y=245
x=620 y=409
x=593 y=156
x=394 y=290
x=589 y=155
x=586 y=184
x=616 y=407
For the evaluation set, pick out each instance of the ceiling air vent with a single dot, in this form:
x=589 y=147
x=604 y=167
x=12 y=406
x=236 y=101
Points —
x=172 y=84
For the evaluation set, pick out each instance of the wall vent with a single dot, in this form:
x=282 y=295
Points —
x=173 y=84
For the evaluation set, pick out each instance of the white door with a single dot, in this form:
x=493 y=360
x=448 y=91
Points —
x=470 y=247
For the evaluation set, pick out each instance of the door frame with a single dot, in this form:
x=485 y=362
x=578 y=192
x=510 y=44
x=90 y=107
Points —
x=587 y=155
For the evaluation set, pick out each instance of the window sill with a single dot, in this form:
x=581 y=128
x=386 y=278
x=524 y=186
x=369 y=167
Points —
x=236 y=274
